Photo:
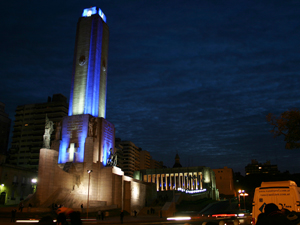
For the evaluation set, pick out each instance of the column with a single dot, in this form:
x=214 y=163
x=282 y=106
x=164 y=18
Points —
x=175 y=184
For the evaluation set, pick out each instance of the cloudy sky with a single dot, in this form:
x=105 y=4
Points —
x=194 y=77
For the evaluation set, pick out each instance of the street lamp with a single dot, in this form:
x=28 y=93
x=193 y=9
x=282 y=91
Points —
x=244 y=194
x=88 y=198
x=240 y=191
x=33 y=184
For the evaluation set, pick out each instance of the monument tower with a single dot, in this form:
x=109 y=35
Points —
x=88 y=91
x=78 y=167
x=86 y=135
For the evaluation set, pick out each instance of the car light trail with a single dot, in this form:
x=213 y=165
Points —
x=179 y=218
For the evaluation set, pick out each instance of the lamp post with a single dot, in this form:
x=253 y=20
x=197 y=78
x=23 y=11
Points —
x=244 y=194
x=33 y=183
x=88 y=198
x=239 y=191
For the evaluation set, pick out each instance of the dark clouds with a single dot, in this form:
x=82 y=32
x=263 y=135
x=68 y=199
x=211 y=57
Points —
x=197 y=77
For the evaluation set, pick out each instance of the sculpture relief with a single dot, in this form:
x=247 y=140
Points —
x=112 y=158
x=92 y=127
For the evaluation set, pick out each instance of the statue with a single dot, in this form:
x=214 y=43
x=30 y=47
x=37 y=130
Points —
x=48 y=132
x=92 y=127
x=112 y=158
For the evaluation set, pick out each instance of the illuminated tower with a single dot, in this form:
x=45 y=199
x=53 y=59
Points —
x=85 y=140
x=86 y=135
x=88 y=91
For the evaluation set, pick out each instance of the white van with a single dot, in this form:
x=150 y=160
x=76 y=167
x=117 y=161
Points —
x=285 y=194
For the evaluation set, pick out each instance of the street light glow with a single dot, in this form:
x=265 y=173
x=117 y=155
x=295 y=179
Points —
x=34 y=180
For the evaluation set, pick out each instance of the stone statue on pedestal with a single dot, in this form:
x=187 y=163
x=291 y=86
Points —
x=48 y=132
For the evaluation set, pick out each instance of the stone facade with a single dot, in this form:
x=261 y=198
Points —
x=67 y=184
x=191 y=180
x=15 y=184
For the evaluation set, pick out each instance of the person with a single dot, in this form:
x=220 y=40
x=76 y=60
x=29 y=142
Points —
x=81 y=206
x=62 y=219
x=272 y=216
x=99 y=214
x=21 y=206
x=121 y=216
x=13 y=215
x=135 y=212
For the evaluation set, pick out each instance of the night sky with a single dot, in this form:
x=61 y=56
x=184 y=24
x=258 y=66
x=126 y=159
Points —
x=193 y=77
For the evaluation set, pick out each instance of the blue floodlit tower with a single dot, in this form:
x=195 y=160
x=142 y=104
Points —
x=88 y=91
x=86 y=135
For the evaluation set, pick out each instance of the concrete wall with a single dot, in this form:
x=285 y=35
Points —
x=225 y=182
x=127 y=196
x=50 y=176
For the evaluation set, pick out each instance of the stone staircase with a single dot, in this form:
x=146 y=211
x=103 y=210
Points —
x=95 y=203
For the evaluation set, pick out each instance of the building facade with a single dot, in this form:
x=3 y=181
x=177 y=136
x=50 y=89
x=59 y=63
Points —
x=29 y=128
x=131 y=157
x=154 y=164
x=145 y=158
x=5 y=123
x=261 y=168
x=16 y=183
x=225 y=182
x=190 y=180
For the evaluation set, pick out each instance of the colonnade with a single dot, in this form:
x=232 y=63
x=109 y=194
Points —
x=176 y=181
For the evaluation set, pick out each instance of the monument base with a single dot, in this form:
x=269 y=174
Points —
x=67 y=184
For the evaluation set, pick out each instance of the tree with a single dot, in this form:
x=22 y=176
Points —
x=288 y=125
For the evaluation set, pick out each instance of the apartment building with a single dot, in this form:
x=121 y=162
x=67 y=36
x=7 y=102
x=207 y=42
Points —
x=29 y=128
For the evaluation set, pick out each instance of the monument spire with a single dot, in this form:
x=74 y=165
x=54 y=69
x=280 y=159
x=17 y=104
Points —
x=88 y=91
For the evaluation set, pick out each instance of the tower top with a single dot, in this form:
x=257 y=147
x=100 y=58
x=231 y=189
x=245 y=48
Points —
x=177 y=162
x=92 y=11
